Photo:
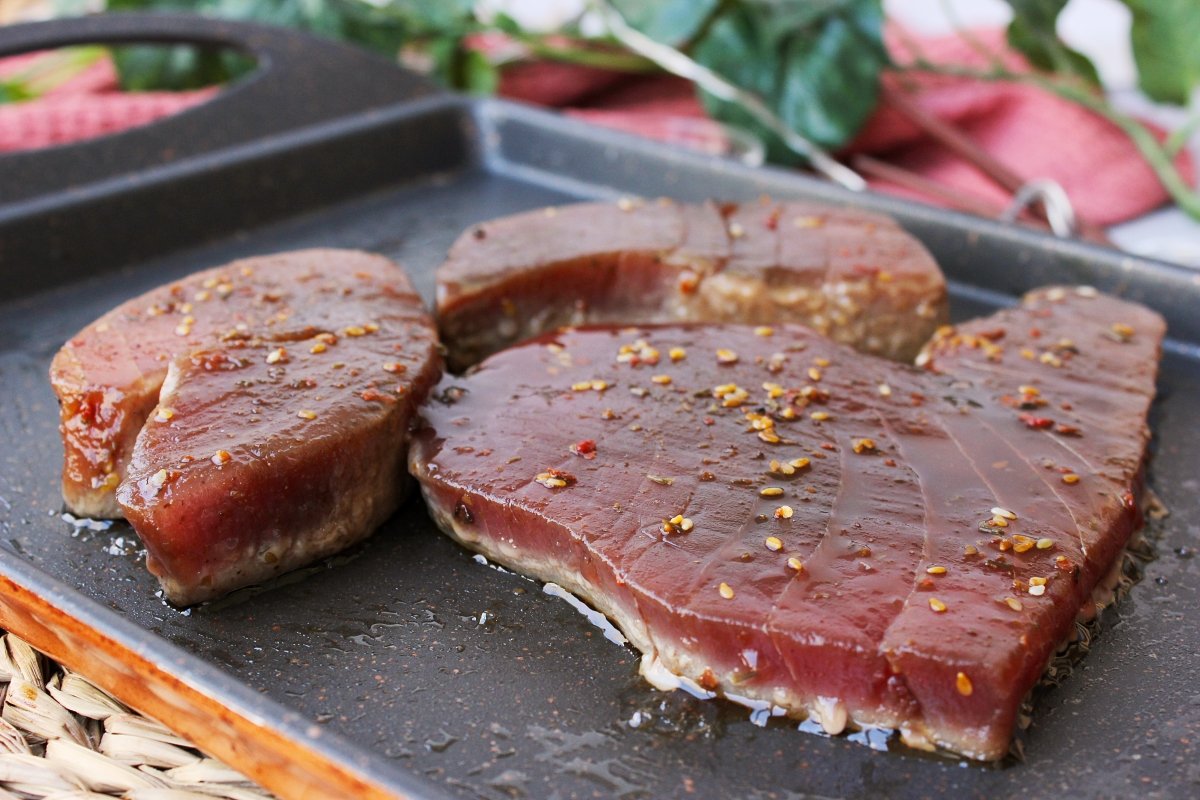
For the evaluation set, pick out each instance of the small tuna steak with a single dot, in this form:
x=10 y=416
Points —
x=255 y=416
x=781 y=518
x=853 y=276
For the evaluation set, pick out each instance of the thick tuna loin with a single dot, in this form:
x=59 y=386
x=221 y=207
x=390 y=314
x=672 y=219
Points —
x=255 y=416
x=853 y=276
x=779 y=517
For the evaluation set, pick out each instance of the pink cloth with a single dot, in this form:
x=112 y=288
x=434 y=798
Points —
x=88 y=105
x=1034 y=133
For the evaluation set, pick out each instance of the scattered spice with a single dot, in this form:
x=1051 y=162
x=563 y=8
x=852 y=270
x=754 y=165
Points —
x=726 y=590
x=555 y=479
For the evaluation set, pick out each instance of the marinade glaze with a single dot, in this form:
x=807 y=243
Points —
x=250 y=418
x=779 y=517
x=853 y=276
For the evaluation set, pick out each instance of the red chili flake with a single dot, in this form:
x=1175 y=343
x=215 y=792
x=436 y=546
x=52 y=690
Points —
x=1067 y=430
x=865 y=271
x=992 y=335
x=585 y=448
x=773 y=219
x=1066 y=406
x=828 y=446
x=1128 y=501
x=376 y=396
x=890 y=462
x=1035 y=333
x=1037 y=423
x=709 y=421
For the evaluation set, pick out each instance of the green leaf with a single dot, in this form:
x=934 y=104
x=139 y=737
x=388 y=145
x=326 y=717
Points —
x=14 y=92
x=818 y=69
x=1166 y=47
x=1033 y=32
x=479 y=75
x=380 y=26
x=669 y=21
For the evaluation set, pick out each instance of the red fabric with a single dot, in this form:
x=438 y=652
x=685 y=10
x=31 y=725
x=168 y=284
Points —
x=1035 y=134
x=88 y=105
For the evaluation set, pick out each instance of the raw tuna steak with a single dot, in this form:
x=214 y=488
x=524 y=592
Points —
x=854 y=276
x=255 y=416
x=775 y=516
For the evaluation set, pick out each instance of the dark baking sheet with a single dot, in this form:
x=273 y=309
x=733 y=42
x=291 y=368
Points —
x=436 y=676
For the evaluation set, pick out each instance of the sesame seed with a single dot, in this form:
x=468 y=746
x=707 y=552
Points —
x=963 y=684
x=304 y=413
x=1033 y=390
x=355 y=330
x=661 y=380
x=796 y=564
x=686 y=524
x=807 y=222
x=885 y=390
x=625 y=204
x=1070 y=479
x=820 y=416
x=221 y=457
x=799 y=463
x=1013 y=603
x=319 y=347
x=1051 y=359
x=774 y=543
x=726 y=590
x=394 y=367
x=276 y=355
x=677 y=519
x=769 y=436
x=183 y=330
x=764 y=330
x=736 y=231
x=371 y=327
x=936 y=570
x=1037 y=590
x=771 y=491
x=782 y=468
x=1124 y=332
x=1045 y=544
x=1022 y=544
x=1003 y=512
x=784 y=512
x=677 y=354
x=814 y=374
x=158 y=479
x=164 y=415
x=773 y=390
x=726 y=356
x=862 y=446
x=1037 y=580
x=937 y=605
x=970 y=550
x=999 y=521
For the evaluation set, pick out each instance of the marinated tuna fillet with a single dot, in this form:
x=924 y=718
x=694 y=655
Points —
x=855 y=277
x=778 y=517
x=279 y=434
